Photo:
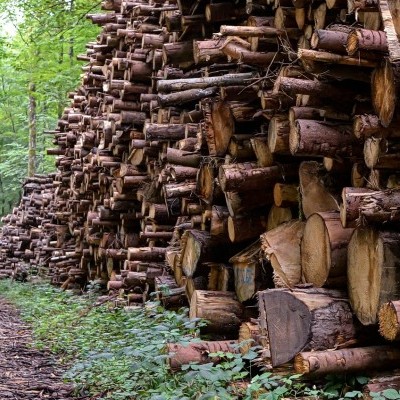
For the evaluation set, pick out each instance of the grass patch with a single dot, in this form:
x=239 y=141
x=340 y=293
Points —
x=120 y=355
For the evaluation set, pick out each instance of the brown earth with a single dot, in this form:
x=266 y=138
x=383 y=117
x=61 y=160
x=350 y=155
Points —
x=26 y=373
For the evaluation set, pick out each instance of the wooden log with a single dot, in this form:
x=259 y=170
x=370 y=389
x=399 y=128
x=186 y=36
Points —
x=239 y=203
x=384 y=90
x=349 y=209
x=221 y=309
x=389 y=320
x=372 y=271
x=262 y=151
x=368 y=125
x=186 y=96
x=184 y=158
x=311 y=315
x=278 y=135
x=286 y=195
x=246 y=227
x=148 y=254
x=314 y=195
x=198 y=352
x=278 y=216
x=324 y=250
x=218 y=126
x=366 y=39
x=322 y=139
x=329 y=40
x=281 y=246
x=199 y=248
x=247 y=176
x=208 y=51
x=347 y=360
x=173 y=85
x=381 y=383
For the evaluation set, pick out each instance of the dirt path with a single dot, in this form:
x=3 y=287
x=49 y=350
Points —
x=26 y=373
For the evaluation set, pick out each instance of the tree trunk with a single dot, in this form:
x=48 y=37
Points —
x=32 y=129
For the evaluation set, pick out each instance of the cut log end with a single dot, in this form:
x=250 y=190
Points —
x=315 y=259
x=389 y=324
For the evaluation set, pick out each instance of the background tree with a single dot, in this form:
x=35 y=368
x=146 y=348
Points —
x=38 y=44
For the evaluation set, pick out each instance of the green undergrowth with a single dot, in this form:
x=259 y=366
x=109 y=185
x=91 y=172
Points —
x=120 y=355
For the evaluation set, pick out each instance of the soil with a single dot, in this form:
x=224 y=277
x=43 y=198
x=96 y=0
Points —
x=26 y=373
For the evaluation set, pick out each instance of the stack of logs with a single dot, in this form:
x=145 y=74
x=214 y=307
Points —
x=189 y=138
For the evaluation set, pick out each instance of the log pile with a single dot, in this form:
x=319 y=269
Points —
x=189 y=138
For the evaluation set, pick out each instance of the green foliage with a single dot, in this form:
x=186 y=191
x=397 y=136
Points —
x=45 y=38
x=121 y=355
x=392 y=394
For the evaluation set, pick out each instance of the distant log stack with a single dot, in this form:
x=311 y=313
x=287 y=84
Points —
x=200 y=126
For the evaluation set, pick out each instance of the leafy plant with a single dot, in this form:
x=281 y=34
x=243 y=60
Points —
x=121 y=355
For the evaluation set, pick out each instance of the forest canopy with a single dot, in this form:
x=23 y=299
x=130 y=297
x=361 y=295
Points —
x=39 y=41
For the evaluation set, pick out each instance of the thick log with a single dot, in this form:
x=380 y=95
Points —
x=349 y=209
x=366 y=39
x=374 y=207
x=330 y=40
x=198 y=352
x=221 y=309
x=247 y=176
x=281 y=246
x=239 y=203
x=389 y=320
x=373 y=271
x=286 y=195
x=249 y=274
x=347 y=360
x=311 y=316
x=278 y=216
x=218 y=126
x=184 y=158
x=324 y=250
x=246 y=227
x=199 y=248
x=314 y=195
x=322 y=139
x=278 y=135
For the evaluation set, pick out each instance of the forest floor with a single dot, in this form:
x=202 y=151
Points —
x=26 y=373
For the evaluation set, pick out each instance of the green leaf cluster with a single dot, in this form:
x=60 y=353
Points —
x=120 y=355
x=39 y=41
